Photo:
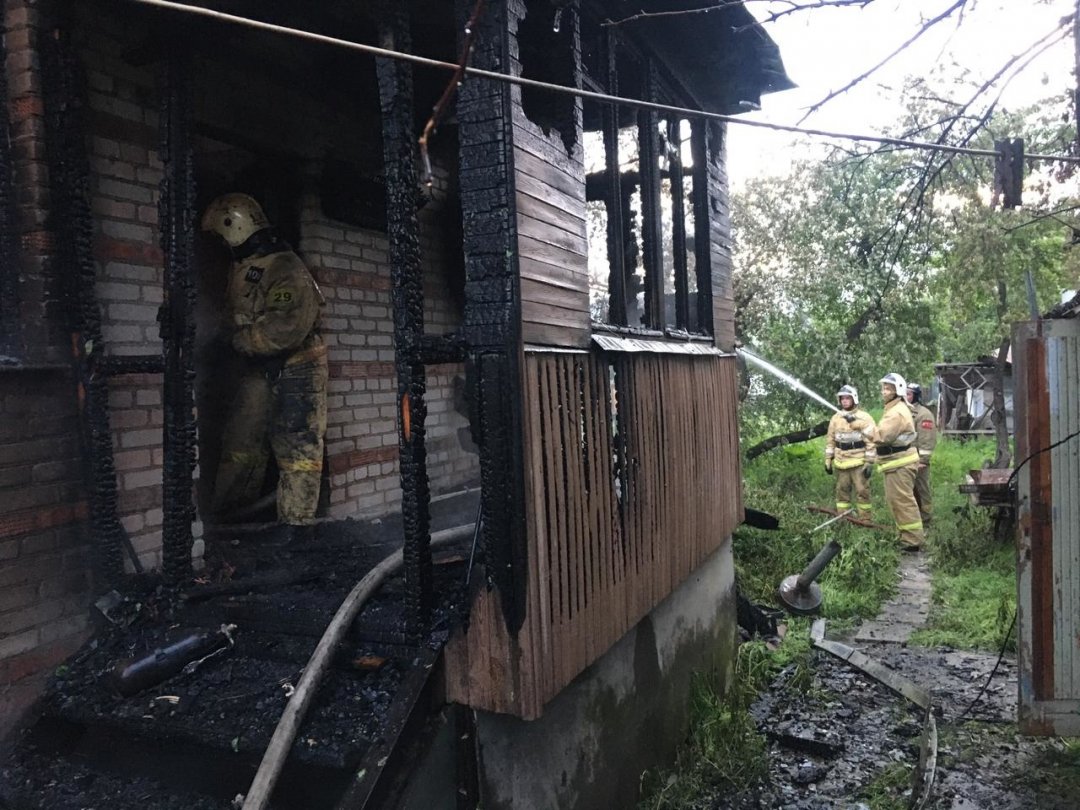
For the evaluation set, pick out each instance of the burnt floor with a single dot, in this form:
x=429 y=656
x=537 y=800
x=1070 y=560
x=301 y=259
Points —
x=195 y=741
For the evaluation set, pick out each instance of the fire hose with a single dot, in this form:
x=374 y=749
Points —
x=277 y=752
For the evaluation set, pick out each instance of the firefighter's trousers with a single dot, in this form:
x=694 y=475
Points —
x=923 y=495
x=900 y=496
x=283 y=413
x=849 y=480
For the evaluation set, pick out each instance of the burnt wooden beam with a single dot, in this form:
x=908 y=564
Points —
x=492 y=323
x=612 y=194
x=450 y=348
x=651 y=223
x=72 y=220
x=703 y=264
x=177 y=217
x=678 y=231
x=399 y=158
x=116 y=365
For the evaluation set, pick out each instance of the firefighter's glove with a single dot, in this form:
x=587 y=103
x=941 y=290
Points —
x=828 y=468
x=849 y=418
x=867 y=471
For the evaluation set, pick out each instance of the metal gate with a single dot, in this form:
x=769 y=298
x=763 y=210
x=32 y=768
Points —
x=1047 y=387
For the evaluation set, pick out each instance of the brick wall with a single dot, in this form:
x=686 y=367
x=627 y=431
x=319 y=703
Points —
x=351 y=267
x=44 y=549
x=45 y=566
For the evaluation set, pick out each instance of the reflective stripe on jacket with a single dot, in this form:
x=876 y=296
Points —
x=895 y=436
x=847 y=445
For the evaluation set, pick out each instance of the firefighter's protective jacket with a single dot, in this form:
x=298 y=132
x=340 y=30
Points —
x=925 y=431
x=846 y=445
x=894 y=437
x=275 y=304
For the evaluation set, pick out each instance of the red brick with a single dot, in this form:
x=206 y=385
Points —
x=42 y=658
x=343 y=462
x=108 y=249
x=361 y=370
x=31 y=520
x=353 y=278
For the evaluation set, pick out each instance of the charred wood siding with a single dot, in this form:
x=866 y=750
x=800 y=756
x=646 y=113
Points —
x=717 y=214
x=628 y=493
x=549 y=195
x=492 y=311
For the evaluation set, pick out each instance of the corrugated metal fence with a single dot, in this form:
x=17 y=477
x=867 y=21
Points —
x=1047 y=356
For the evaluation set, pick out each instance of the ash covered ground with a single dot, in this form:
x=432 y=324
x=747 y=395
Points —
x=849 y=742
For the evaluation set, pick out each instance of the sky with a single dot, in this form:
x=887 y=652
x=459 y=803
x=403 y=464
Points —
x=823 y=49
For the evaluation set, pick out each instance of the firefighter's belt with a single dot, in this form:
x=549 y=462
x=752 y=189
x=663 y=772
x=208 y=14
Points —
x=851 y=445
x=889 y=449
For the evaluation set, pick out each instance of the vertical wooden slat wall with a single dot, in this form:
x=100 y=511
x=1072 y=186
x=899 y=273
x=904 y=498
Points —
x=599 y=558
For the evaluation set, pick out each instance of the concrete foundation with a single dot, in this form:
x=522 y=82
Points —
x=626 y=713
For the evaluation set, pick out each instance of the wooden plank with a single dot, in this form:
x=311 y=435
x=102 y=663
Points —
x=575 y=262
x=554 y=316
x=528 y=164
x=559 y=275
x=545 y=294
x=537 y=189
x=541 y=231
x=538 y=530
x=539 y=334
x=1042 y=560
x=556 y=216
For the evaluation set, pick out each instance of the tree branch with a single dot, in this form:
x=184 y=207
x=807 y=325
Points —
x=794 y=437
x=794 y=7
x=958 y=4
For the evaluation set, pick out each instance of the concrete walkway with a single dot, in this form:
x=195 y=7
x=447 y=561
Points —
x=908 y=610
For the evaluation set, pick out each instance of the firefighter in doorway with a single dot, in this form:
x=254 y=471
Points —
x=925 y=439
x=272 y=312
x=849 y=454
x=898 y=459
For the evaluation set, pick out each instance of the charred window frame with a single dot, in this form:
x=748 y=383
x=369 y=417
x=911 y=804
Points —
x=646 y=193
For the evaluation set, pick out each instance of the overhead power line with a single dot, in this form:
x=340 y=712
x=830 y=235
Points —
x=683 y=112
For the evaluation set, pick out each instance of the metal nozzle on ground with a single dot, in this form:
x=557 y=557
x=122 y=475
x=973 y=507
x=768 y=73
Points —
x=799 y=593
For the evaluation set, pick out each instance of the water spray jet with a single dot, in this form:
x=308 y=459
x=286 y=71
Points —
x=783 y=376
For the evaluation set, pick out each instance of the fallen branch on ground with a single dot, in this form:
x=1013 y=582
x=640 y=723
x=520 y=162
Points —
x=795 y=437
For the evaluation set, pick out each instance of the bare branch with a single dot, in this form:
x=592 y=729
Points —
x=1047 y=215
x=793 y=7
x=958 y=4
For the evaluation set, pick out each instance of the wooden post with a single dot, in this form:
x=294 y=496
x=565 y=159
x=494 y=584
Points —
x=399 y=158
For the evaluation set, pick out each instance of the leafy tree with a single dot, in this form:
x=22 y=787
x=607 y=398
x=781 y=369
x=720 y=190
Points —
x=863 y=263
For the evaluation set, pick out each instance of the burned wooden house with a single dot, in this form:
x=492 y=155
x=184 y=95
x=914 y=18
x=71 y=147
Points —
x=538 y=334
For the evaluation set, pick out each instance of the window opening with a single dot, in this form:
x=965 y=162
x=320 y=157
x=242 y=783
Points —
x=646 y=189
x=545 y=46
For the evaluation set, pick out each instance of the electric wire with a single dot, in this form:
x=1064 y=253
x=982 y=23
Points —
x=990 y=677
x=684 y=112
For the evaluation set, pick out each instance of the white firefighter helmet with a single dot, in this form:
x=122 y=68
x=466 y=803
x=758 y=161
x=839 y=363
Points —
x=235 y=218
x=848 y=391
x=897 y=382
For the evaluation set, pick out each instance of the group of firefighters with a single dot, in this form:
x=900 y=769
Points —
x=899 y=446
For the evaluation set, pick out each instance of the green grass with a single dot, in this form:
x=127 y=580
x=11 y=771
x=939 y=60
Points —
x=974 y=572
x=783 y=483
x=890 y=789
x=725 y=753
